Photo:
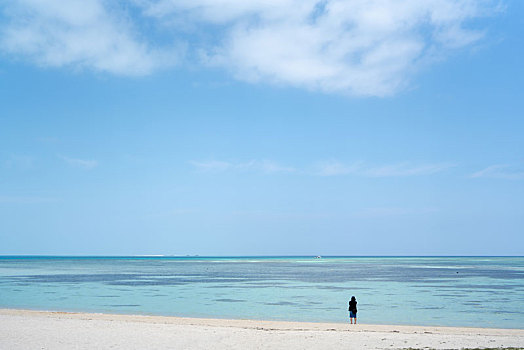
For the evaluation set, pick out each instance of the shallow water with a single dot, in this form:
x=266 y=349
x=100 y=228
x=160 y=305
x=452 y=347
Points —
x=448 y=291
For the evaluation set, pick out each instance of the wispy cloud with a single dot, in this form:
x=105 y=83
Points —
x=355 y=47
x=86 y=164
x=48 y=140
x=500 y=171
x=92 y=34
x=407 y=169
x=326 y=168
x=388 y=212
x=19 y=161
x=265 y=166
x=213 y=165
x=336 y=168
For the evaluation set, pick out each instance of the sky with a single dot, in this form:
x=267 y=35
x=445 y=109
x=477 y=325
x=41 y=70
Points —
x=289 y=127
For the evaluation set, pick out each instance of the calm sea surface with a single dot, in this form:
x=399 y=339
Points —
x=449 y=291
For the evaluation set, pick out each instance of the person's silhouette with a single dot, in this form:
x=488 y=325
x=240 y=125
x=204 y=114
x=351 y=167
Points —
x=353 y=310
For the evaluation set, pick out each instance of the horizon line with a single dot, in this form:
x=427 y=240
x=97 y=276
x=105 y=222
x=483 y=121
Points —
x=252 y=256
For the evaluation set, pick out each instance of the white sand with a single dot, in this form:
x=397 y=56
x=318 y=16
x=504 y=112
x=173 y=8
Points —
x=22 y=329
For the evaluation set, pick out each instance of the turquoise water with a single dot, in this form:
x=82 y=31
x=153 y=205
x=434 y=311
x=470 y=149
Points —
x=448 y=291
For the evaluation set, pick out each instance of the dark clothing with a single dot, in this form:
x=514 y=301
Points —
x=353 y=306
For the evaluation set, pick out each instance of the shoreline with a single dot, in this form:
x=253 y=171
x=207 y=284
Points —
x=28 y=329
x=248 y=323
x=234 y=321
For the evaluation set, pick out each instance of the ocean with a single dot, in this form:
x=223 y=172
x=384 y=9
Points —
x=440 y=291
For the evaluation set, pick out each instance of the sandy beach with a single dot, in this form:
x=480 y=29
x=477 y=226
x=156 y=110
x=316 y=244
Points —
x=24 y=329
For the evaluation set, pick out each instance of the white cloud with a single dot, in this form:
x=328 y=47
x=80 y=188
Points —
x=77 y=33
x=500 y=171
x=80 y=163
x=334 y=168
x=356 y=47
x=265 y=166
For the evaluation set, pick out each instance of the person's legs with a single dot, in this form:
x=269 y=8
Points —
x=355 y=319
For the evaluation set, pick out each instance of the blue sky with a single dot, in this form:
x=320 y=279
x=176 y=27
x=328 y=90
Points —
x=262 y=128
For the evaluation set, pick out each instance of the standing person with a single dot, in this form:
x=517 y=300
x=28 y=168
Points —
x=353 y=310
